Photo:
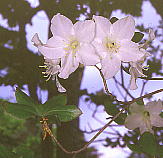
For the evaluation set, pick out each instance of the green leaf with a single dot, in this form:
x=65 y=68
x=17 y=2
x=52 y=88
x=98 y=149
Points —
x=52 y=119
x=160 y=151
x=41 y=110
x=59 y=100
x=137 y=37
x=148 y=144
x=134 y=148
x=20 y=111
x=23 y=98
x=113 y=20
x=65 y=113
x=6 y=153
x=24 y=151
x=112 y=110
x=161 y=114
x=140 y=102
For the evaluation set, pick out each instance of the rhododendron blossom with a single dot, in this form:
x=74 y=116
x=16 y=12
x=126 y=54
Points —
x=136 y=69
x=144 y=117
x=51 y=65
x=113 y=44
x=71 y=43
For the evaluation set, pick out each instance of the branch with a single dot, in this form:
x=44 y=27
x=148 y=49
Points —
x=47 y=129
x=104 y=82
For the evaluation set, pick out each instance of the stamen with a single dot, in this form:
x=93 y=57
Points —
x=48 y=78
x=72 y=46
x=111 y=46
x=43 y=66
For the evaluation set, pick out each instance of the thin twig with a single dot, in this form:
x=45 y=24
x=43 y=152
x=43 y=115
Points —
x=47 y=129
x=104 y=82
x=142 y=90
x=123 y=88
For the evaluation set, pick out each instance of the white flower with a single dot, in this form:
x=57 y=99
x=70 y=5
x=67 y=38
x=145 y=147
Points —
x=136 y=70
x=51 y=65
x=113 y=43
x=52 y=69
x=151 y=37
x=71 y=43
x=144 y=117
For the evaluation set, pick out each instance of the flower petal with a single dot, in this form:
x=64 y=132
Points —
x=110 y=66
x=136 y=108
x=133 y=84
x=36 y=40
x=151 y=35
x=87 y=55
x=100 y=49
x=56 y=41
x=143 y=128
x=156 y=120
x=123 y=28
x=102 y=26
x=61 y=26
x=129 y=51
x=51 y=53
x=84 y=30
x=133 y=121
x=61 y=89
x=54 y=48
x=69 y=64
x=154 y=107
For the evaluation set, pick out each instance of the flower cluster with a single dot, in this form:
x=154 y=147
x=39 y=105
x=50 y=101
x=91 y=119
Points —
x=144 y=117
x=91 y=42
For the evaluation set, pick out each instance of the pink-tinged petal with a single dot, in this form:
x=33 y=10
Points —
x=68 y=65
x=54 y=48
x=135 y=71
x=143 y=128
x=61 y=26
x=56 y=42
x=151 y=35
x=133 y=84
x=123 y=28
x=36 y=40
x=84 y=30
x=61 y=89
x=110 y=66
x=87 y=55
x=50 y=52
x=129 y=51
x=100 y=49
x=154 y=107
x=134 y=121
x=156 y=120
x=102 y=26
